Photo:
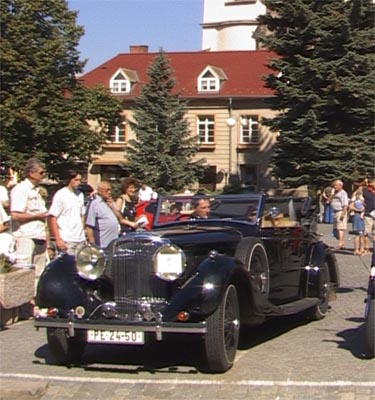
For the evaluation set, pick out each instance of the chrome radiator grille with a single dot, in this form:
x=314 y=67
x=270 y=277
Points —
x=138 y=293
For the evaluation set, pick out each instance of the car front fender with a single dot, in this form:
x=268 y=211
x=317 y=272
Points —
x=59 y=286
x=202 y=294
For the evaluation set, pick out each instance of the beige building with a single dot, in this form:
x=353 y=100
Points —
x=226 y=102
x=230 y=24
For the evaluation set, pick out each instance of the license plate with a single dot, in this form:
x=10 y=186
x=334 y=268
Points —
x=128 y=337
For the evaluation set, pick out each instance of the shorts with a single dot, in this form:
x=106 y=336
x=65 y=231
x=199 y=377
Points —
x=340 y=225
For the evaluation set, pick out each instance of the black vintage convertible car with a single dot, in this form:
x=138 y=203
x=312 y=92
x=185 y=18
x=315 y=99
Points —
x=253 y=258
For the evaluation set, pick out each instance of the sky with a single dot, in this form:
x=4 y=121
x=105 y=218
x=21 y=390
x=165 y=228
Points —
x=111 y=26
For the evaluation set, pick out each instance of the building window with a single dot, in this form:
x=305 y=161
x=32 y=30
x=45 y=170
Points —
x=208 y=82
x=206 y=129
x=249 y=175
x=119 y=84
x=249 y=129
x=118 y=133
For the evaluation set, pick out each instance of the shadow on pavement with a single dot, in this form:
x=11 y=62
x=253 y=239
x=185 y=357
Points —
x=352 y=339
x=174 y=354
x=256 y=335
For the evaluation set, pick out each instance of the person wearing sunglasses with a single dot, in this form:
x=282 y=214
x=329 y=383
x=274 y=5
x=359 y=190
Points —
x=29 y=214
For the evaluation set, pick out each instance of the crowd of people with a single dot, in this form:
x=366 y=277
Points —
x=31 y=234
x=339 y=209
x=27 y=226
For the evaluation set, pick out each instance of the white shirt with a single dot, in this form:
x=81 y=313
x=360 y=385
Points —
x=4 y=197
x=25 y=198
x=145 y=194
x=68 y=208
x=6 y=239
x=339 y=200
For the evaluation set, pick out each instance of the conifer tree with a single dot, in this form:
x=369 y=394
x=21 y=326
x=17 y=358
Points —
x=323 y=80
x=44 y=110
x=162 y=151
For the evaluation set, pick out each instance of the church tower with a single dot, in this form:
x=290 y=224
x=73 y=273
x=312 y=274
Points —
x=230 y=24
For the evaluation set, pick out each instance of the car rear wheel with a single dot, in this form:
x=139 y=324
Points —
x=221 y=339
x=66 y=350
x=370 y=329
x=319 y=311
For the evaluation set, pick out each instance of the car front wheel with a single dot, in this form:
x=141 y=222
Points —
x=66 y=350
x=221 y=339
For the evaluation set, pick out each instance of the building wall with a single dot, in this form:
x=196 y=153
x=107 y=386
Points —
x=227 y=156
x=230 y=25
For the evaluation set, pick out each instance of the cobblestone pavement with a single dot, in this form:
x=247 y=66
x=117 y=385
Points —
x=286 y=359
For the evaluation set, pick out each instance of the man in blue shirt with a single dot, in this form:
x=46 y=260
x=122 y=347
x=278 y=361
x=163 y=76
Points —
x=102 y=225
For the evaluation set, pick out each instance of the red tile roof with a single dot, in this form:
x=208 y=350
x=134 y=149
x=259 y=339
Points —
x=244 y=70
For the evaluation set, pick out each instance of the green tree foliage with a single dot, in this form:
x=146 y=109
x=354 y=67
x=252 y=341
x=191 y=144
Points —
x=44 y=109
x=161 y=154
x=323 y=81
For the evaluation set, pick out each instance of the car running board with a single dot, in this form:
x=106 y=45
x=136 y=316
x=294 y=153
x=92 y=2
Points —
x=292 y=308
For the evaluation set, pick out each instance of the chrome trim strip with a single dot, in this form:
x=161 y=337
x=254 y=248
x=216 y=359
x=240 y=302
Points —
x=158 y=328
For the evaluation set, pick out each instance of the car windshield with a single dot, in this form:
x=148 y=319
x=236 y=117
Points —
x=282 y=211
x=172 y=209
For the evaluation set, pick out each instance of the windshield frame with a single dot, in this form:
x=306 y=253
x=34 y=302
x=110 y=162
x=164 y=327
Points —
x=234 y=207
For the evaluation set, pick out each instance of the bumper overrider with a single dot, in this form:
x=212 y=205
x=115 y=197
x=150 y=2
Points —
x=157 y=327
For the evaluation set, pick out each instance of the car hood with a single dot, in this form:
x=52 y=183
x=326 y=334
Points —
x=202 y=237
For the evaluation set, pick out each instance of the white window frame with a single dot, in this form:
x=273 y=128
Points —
x=250 y=133
x=208 y=81
x=119 y=85
x=206 y=129
x=118 y=133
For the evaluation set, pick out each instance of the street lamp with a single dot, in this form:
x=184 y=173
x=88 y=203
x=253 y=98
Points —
x=231 y=122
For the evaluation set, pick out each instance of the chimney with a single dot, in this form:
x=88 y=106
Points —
x=140 y=48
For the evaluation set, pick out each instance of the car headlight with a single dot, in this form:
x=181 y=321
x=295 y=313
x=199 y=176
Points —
x=90 y=262
x=169 y=262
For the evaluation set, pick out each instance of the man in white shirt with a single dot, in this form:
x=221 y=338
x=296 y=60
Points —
x=339 y=202
x=145 y=192
x=66 y=216
x=28 y=212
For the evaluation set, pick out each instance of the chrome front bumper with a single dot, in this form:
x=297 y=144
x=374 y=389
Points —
x=154 y=327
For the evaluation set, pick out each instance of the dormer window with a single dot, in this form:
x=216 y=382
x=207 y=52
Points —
x=210 y=79
x=123 y=80
x=119 y=84
x=209 y=83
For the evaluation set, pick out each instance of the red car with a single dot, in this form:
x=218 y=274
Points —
x=146 y=208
